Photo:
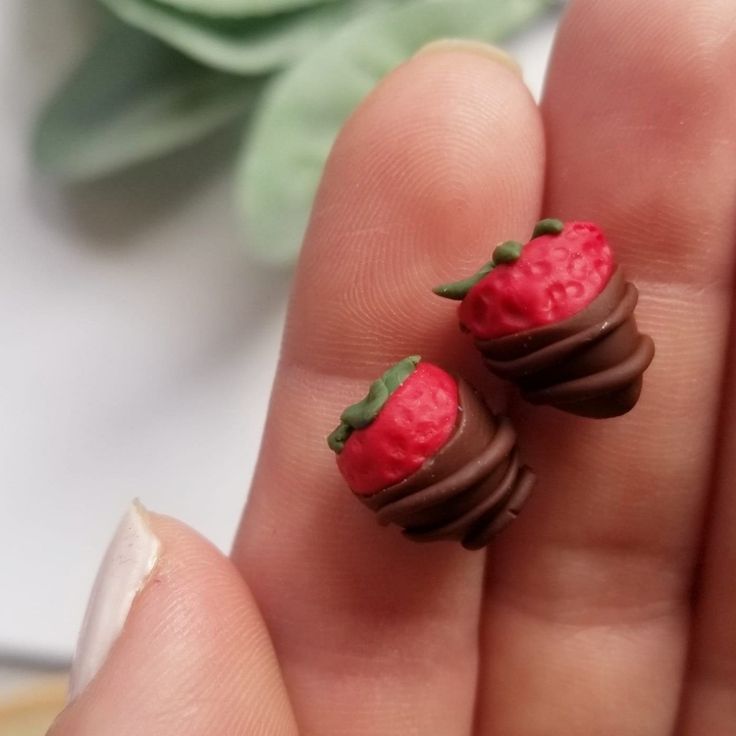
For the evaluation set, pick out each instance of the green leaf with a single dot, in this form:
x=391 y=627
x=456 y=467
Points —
x=240 y=8
x=241 y=45
x=132 y=99
x=305 y=108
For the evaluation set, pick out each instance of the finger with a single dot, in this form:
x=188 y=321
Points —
x=193 y=658
x=709 y=703
x=377 y=635
x=591 y=588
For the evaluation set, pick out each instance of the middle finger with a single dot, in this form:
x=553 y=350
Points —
x=375 y=634
x=591 y=588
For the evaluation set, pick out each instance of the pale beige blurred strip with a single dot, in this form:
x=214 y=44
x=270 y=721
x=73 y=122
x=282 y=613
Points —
x=31 y=710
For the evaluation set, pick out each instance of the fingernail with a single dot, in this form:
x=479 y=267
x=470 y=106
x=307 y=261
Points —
x=444 y=45
x=125 y=568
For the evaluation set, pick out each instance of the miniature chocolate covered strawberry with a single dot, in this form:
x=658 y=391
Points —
x=424 y=452
x=556 y=316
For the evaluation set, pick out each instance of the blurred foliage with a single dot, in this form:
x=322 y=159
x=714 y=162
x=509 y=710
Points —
x=165 y=73
x=243 y=45
x=131 y=99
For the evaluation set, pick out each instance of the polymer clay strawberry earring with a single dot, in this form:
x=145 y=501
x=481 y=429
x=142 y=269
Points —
x=556 y=317
x=424 y=452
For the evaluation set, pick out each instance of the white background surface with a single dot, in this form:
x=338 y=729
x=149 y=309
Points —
x=138 y=344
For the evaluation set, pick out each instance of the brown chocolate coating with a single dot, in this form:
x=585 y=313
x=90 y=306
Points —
x=469 y=490
x=590 y=364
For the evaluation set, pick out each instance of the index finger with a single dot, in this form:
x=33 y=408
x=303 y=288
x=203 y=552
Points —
x=417 y=187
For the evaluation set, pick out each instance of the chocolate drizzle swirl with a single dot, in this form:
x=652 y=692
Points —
x=590 y=364
x=469 y=490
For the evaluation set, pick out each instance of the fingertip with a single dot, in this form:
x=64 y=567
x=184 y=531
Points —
x=193 y=635
x=442 y=160
x=469 y=46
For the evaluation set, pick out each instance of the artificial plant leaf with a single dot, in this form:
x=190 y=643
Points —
x=242 y=45
x=133 y=98
x=302 y=112
x=240 y=8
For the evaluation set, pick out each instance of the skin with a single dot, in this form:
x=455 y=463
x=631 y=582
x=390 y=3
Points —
x=608 y=607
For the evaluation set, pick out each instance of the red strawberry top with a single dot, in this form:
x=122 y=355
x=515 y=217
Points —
x=408 y=415
x=552 y=277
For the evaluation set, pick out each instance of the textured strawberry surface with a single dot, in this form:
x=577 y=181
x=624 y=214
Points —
x=555 y=277
x=414 y=423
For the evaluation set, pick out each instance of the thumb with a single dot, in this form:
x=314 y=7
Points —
x=172 y=643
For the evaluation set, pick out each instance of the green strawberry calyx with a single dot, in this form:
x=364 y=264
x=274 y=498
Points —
x=362 y=413
x=548 y=226
x=507 y=252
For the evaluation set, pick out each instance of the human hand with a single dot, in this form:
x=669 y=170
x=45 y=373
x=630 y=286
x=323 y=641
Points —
x=609 y=607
